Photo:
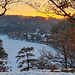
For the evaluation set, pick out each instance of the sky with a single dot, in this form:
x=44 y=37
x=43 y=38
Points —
x=26 y=10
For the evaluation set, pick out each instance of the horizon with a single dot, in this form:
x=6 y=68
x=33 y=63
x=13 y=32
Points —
x=46 y=18
x=26 y=10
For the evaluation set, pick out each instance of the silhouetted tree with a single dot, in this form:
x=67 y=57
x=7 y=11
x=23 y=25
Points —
x=57 y=7
x=3 y=55
x=4 y=4
x=24 y=56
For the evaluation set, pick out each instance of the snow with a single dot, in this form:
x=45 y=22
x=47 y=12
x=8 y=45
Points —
x=13 y=46
x=35 y=73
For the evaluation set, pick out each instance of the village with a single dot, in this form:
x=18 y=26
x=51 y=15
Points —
x=37 y=36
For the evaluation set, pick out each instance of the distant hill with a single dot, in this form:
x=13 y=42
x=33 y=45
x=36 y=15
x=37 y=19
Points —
x=10 y=23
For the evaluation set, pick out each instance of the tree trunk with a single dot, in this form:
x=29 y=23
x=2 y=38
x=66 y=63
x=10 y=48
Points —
x=65 y=58
x=65 y=61
x=28 y=62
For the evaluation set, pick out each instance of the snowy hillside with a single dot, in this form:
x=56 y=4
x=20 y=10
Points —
x=13 y=46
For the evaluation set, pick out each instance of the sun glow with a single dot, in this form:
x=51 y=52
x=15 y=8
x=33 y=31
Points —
x=26 y=10
x=47 y=18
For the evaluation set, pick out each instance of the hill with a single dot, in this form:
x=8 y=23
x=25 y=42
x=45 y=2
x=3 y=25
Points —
x=10 y=23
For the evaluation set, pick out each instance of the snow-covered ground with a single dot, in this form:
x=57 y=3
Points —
x=13 y=46
x=35 y=73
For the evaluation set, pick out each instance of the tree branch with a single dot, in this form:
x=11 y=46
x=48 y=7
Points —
x=4 y=8
x=62 y=10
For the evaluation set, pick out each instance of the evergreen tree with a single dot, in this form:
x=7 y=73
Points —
x=3 y=55
x=24 y=56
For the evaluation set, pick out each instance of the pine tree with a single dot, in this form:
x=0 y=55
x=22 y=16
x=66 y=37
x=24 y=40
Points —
x=3 y=55
x=24 y=56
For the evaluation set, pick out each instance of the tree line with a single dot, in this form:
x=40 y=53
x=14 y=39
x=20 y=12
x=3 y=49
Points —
x=24 y=24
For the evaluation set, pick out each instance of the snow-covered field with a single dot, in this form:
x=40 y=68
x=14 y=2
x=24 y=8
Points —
x=13 y=46
x=35 y=73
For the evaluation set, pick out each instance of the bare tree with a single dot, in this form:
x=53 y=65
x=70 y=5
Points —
x=63 y=40
x=4 y=4
x=56 y=57
x=56 y=7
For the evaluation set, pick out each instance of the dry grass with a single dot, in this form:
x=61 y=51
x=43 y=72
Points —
x=72 y=70
x=68 y=70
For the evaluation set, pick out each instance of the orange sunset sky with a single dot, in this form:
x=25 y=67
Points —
x=26 y=10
